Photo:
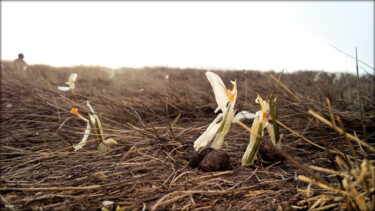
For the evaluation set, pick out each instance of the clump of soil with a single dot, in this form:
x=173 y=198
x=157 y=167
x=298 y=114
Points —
x=197 y=157
x=209 y=159
x=216 y=160
x=268 y=151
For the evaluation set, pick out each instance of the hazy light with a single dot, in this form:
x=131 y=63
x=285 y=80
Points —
x=222 y=35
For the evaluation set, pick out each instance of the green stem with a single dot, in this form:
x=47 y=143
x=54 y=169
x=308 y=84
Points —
x=93 y=131
x=274 y=118
x=216 y=144
x=256 y=145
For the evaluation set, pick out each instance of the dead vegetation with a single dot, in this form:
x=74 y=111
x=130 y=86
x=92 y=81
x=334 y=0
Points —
x=149 y=168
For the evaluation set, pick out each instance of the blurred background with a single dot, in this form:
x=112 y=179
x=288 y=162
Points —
x=209 y=35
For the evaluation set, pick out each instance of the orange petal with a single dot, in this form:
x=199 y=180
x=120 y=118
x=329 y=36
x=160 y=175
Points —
x=263 y=108
x=226 y=91
x=233 y=92
x=74 y=111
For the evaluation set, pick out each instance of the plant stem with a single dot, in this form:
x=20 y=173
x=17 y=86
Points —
x=256 y=145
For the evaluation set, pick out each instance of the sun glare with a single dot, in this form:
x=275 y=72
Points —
x=220 y=35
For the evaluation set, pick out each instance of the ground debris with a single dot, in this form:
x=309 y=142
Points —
x=149 y=167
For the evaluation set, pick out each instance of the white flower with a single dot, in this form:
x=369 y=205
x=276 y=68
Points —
x=71 y=83
x=88 y=127
x=260 y=119
x=87 y=131
x=225 y=100
x=95 y=124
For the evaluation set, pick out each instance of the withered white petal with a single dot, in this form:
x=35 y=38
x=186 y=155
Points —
x=110 y=141
x=107 y=203
x=84 y=139
x=207 y=136
x=244 y=115
x=91 y=109
x=218 y=87
x=73 y=77
x=63 y=88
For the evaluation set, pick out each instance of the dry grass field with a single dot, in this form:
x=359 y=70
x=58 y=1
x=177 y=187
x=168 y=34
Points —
x=149 y=167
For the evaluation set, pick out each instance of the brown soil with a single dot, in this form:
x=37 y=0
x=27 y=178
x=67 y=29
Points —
x=149 y=168
x=216 y=160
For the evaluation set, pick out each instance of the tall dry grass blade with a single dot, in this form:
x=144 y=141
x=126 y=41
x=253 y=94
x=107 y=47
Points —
x=286 y=88
x=350 y=146
x=176 y=120
x=330 y=111
x=278 y=86
x=152 y=125
x=168 y=121
x=330 y=171
x=303 y=138
x=329 y=155
x=341 y=145
x=353 y=57
x=359 y=96
x=325 y=121
x=273 y=110
x=300 y=166
x=321 y=185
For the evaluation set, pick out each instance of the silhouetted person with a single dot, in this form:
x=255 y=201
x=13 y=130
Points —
x=20 y=63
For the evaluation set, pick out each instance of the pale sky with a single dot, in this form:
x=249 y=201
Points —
x=218 y=35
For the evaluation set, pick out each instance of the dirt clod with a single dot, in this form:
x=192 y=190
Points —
x=199 y=156
x=268 y=151
x=216 y=160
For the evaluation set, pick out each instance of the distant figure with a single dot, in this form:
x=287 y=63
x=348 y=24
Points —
x=20 y=63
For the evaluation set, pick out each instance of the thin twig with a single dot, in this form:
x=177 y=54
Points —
x=91 y=187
